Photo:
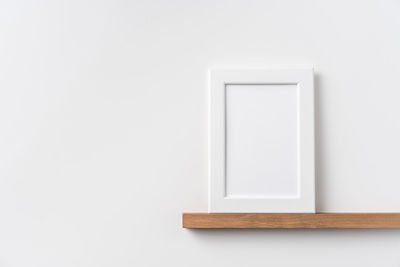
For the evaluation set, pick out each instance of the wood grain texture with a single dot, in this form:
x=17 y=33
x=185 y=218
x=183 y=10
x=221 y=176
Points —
x=292 y=220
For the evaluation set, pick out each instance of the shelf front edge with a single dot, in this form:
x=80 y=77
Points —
x=290 y=220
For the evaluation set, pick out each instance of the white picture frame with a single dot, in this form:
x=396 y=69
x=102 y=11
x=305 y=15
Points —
x=242 y=182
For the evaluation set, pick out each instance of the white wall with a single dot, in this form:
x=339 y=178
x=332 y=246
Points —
x=103 y=128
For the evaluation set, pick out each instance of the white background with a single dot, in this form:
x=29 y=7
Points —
x=103 y=128
x=261 y=141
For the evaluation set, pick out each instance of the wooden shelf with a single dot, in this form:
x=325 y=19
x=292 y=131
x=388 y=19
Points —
x=290 y=220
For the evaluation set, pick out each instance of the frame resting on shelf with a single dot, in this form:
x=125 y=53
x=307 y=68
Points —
x=261 y=140
x=293 y=220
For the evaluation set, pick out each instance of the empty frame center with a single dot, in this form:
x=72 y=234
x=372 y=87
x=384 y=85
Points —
x=261 y=141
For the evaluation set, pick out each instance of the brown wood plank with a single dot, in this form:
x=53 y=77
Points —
x=291 y=220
